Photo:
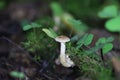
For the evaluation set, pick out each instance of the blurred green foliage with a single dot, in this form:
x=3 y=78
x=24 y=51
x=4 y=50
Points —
x=17 y=74
x=109 y=11
x=78 y=26
x=2 y=4
x=56 y=9
x=87 y=10
x=27 y=26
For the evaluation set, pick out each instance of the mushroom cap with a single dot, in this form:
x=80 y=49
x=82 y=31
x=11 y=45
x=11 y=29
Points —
x=62 y=38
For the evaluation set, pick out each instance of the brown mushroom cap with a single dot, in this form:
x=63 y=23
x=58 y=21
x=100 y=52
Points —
x=62 y=39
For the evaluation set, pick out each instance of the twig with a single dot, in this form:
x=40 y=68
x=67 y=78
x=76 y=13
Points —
x=19 y=47
x=101 y=54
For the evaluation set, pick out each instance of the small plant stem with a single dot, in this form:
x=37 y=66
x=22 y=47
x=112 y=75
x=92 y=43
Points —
x=119 y=40
x=71 y=32
x=34 y=32
x=101 y=54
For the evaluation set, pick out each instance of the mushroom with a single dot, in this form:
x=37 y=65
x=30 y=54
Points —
x=64 y=58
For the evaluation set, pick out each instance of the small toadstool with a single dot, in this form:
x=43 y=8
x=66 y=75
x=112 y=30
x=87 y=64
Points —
x=64 y=59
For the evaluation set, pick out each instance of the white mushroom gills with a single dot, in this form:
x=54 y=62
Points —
x=64 y=59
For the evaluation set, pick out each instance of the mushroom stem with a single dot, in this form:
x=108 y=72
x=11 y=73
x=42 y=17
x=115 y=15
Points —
x=64 y=59
x=62 y=53
x=62 y=48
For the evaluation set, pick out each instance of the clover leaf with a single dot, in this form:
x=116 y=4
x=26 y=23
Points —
x=107 y=47
x=108 y=11
x=113 y=25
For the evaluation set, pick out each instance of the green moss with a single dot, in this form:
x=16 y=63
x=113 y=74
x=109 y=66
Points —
x=89 y=65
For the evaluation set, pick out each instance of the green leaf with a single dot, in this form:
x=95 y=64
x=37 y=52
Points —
x=85 y=40
x=56 y=8
x=107 y=47
x=53 y=32
x=109 y=39
x=81 y=41
x=113 y=25
x=17 y=74
x=88 y=40
x=35 y=25
x=66 y=17
x=21 y=75
x=26 y=26
x=104 y=40
x=108 y=12
x=50 y=33
x=77 y=25
x=93 y=49
x=75 y=38
x=100 y=41
x=75 y=22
